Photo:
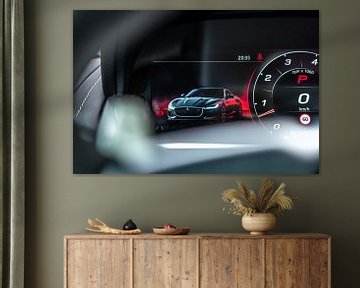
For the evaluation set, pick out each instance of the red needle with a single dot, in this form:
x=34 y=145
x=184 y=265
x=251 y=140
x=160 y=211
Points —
x=271 y=111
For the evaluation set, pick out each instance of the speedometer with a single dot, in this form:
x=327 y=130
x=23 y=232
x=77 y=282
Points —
x=286 y=90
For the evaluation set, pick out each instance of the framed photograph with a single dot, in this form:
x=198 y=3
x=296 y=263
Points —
x=196 y=92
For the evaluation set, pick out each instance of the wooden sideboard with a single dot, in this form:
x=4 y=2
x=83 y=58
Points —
x=197 y=260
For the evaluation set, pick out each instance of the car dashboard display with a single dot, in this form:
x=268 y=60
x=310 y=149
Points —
x=196 y=92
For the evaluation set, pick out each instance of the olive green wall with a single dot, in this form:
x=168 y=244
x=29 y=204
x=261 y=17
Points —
x=59 y=202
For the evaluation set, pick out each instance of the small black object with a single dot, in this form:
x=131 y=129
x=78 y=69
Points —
x=129 y=225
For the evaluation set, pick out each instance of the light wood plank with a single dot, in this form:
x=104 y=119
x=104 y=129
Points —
x=66 y=263
x=164 y=263
x=231 y=263
x=98 y=264
x=287 y=263
x=319 y=263
x=89 y=235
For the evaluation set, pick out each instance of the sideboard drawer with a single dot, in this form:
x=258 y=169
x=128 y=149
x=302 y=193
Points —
x=297 y=263
x=165 y=263
x=231 y=263
x=98 y=263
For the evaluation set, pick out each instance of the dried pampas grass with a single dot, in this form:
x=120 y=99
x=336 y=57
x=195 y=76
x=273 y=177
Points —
x=244 y=201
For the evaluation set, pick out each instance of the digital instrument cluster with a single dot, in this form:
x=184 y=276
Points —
x=287 y=85
x=277 y=88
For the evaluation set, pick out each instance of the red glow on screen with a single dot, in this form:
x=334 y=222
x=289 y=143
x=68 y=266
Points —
x=161 y=107
x=245 y=99
x=160 y=113
x=259 y=57
x=302 y=78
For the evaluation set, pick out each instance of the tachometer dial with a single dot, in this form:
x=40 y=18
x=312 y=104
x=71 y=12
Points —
x=287 y=87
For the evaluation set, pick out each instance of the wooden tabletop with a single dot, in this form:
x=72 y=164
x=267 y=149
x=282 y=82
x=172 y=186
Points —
x=198 y=236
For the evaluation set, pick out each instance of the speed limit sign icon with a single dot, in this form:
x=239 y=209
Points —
x=305 y=119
